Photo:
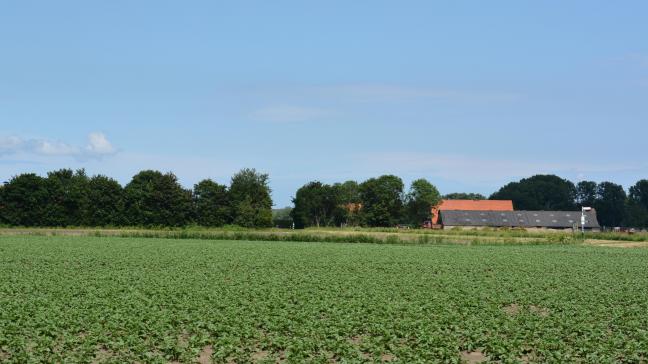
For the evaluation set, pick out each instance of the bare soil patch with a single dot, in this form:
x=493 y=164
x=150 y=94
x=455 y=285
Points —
x=355 y=341
x=102 y=355
x=540 y=311
x=512 y=309
x=386 y=358
x=205 y=355
x=473 y=357
x=259 y=356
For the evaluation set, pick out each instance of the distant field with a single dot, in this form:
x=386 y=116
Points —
x=110 y=299
x=352 y=235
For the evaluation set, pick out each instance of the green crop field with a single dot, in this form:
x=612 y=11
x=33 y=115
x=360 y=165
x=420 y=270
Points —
x=110 y=299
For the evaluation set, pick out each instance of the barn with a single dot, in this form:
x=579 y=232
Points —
x=552 y=220
x=470 y=205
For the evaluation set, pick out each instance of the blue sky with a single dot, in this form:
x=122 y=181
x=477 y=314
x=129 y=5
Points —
x=469 y=95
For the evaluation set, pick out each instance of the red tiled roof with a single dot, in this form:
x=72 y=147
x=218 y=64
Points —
x=474 y=205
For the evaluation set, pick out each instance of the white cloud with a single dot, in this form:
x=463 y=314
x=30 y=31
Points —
x=54 y=148
x=10 y=144
x=98 y=145
x=288 y=114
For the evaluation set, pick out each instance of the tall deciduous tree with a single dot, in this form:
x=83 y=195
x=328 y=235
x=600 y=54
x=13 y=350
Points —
x=24 y=200
x=250 y=199
x=610 y=204
x=156 y=199
x=420 y=199
x=318 y=204
x=586 y=193
x=637 y=209
x=68 y=194
x=540 y=192
x=212 y=205
x=382 y=201
x=105 y=202
x=639 y=193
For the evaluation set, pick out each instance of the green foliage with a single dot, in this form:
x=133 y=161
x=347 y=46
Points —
x=67 y=197
x=464 y=196
x=420 y=199
x=24 y=201
x=586 y=194
x=82 y=300
x=382 y=201
x=316 y=204
x=347 y=211
x=637 y=210
x=540 y=192
x=610 y=204
x=250 y=198
x=211 y=203
x=105 y=202
x=156 y=199
x=639 y=193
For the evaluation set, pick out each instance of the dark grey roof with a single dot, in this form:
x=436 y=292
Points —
x=547 y=219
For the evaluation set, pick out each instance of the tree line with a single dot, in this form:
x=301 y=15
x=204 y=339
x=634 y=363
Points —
x=382 y=202
x=71 y=198
x=379 y=201
x=151 y=198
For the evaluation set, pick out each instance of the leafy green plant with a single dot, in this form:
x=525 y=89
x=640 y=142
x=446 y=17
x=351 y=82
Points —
x=111 y=299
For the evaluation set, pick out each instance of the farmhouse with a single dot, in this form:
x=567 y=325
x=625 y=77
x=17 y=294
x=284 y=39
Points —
x=470 y=205
x=555 y=220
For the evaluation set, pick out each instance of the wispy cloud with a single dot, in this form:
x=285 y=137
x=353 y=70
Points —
x=394 y=92
x=634 y=58
x=97 y=146
x=288 y=114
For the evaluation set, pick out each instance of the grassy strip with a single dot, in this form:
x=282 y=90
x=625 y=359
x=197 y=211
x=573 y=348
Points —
x=302 y=236
x=493 y=232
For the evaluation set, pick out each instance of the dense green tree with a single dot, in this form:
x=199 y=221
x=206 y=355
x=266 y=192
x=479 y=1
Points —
x=464 y=196
x=24 y=200
x=318 y=204
x=382 y=201
x=310 y=205
x=610 y=204
x=68 y=194
x=639 y=193
x=105 y=202
x=250 y=199
x=586 y=193
x=348 y=192
x=156 y=199
x=540 y=192
x=637 y=206
x=212 y=205
x=3 y=220
x=347 y=211
x=420 y=199
x=636 y=215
